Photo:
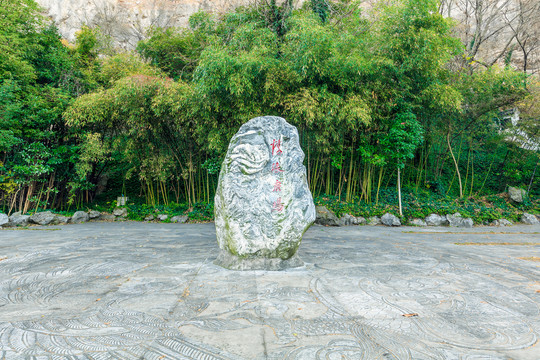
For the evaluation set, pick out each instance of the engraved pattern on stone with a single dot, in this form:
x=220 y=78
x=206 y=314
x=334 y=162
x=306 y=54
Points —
x=79 y=293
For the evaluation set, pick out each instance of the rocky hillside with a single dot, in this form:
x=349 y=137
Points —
x=126 y=21
x=500 y=31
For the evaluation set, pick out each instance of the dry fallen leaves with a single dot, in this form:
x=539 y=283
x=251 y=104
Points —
x=410 y=315
x=530 y=258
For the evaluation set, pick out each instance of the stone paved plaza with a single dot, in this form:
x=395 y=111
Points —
x=130 y=290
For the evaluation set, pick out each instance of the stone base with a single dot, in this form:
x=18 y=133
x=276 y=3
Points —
x=233 y=262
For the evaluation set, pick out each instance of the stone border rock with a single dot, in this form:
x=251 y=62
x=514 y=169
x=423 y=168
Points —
x=325 y=217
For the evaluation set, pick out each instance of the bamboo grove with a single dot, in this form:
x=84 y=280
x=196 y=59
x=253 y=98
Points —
x=381 y=97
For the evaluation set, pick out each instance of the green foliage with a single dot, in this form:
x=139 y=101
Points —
x=368 y=91
x=483 y=211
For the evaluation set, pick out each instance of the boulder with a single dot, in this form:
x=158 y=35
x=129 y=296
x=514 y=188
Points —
x=162 y=217
x=42 y=218
x=418 y=222
x=17 y=219
x=4 y=219
x=348 y=220
x=326 y=217
x=529 y=219
x=456 y=220
x=94 y=214
x=517 y=194
x=120 y=212
x=361 y=220
x=179 y=219
x=149 y=217
x=107 y=217
x=501 y=222
x=374 y=220
x=80 y=217
x=263 y=204
x=436 y=220
x=60 y=219
x=390 y=220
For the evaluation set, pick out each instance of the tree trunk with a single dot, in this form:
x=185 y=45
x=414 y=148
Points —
x=455 y=164
x=532 y=178
x=399 y=191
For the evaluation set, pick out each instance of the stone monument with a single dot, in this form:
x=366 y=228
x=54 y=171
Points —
x=263 y=204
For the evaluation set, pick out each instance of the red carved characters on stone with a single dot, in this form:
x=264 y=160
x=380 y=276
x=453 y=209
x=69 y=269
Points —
x=276 y=168
x=278 y=205
x=276 y=147
x=277 y=186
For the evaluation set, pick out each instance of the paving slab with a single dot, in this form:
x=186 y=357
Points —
x=151 y=291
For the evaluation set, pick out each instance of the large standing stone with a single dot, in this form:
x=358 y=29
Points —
x=263 y=204
x=42 y=218
x=516 y=194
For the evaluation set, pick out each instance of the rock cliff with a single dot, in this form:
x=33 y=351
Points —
x=127 y=21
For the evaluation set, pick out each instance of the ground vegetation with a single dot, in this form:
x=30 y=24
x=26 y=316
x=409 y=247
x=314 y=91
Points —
x=393 y=109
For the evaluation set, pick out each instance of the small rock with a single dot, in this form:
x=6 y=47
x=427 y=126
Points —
x=162 y=217
x=149 y=217
x=374 y=220
x=517 y=194
x=529 y=219
x=361 y=220
x=457 y=221
x=179 y=219
x=436 y=220
x=94 y=214
x=418 y=222
x=17 y=219
x=80 y=217
x=120 y=212
x=504 y=222
x=347 y=220
x=42 y=218
x=4 y=219
x=326 y=217
x=390 y=220
x=60 y=219
x=107 y=217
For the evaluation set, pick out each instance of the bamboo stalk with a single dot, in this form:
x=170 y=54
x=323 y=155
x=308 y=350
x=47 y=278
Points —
x=399 y=191
x=381 y=170
x=455 y=164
